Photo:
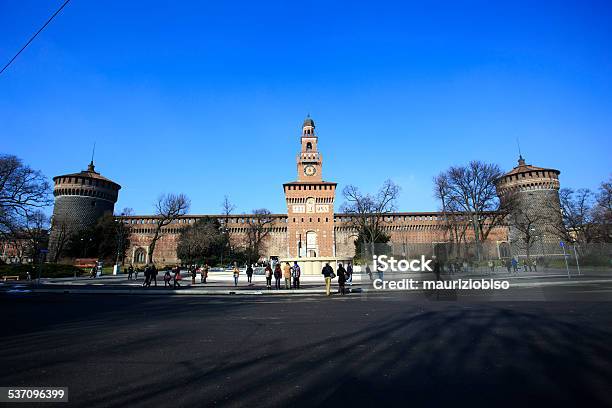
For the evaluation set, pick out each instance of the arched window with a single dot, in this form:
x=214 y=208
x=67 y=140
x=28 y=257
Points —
x=139 y=256
x=504 y=250
x=308 y=146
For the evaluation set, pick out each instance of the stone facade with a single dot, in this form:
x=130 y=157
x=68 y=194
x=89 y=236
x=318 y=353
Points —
x=310 y=228
x=81 y=199
x=536 y=208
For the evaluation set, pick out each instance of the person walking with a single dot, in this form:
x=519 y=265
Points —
x=295 y=273
x=136 y=274
x=508 y=265
x=349 y=273
x=436 y=268
x=249 y=273
x=341 y=279
x=194 y=272
x=204 y=273
x=130 y=272
x=369 y=272
x=515 y=265
x=177 y=277
x=535 y=265
x=277 y=275
x=328 y=273
x=147 y=276
x=287 y=275
x=236 y=274
x=268 y=274
x=167 y=278
x=153 y=275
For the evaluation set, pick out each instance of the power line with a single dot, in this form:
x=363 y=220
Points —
x=34 y=36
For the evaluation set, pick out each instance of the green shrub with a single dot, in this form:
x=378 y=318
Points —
x=49 y=270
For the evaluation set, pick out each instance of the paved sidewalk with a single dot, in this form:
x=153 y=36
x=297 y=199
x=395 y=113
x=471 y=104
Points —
x=222 y=283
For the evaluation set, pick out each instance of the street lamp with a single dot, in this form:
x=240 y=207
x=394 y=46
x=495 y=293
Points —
x=119 y=232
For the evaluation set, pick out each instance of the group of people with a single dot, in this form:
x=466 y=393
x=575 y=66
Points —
x=528 y=265
x=193 y=271
x=291 y=274
x=344 y=275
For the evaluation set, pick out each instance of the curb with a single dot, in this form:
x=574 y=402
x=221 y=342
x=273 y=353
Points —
x=166 y=292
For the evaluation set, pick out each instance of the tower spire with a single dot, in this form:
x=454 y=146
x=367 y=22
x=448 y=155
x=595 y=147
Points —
x=521 y=160
x=91 y=166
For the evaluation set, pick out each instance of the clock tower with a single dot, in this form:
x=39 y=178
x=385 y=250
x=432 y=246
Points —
x=310 y=202
x=309 y=160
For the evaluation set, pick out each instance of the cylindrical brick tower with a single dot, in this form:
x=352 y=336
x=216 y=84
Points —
x=81 y=199
x=535 y=207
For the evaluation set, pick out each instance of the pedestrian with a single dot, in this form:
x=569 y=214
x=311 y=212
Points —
x=341 y=279
x=535 y=265
x=204 y=275
x=236 y=274
x=278 y=275
x=167 y=277
x=249 y=273
x=296 y=272
x=436 y=268
x=508 y=265
x=369 y=272
x=268 y=274
x=328 y=274
x=177 y=277
x=130 y=272
x=194 y=272
x=287 y=275
x=491 y=266
x=153 y=275
x=349 y=273
x=147 y=274
x=136 y=273
x=93 y=272
x=525 y=265
x=515 y=265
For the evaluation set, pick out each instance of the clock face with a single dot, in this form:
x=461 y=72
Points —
x=310 y=170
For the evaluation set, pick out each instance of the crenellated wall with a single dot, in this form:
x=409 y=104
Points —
x=427 y=228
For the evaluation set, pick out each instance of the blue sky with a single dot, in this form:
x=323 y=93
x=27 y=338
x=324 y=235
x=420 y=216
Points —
x=207 y=98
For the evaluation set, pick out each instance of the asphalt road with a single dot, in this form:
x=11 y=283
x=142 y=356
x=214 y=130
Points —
x=385 y=350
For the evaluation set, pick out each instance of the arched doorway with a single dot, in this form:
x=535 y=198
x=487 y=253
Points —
x=311 y=244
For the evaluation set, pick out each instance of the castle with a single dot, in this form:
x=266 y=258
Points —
x=310 y=229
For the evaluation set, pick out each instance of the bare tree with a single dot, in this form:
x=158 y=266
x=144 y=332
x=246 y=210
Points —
x=455 y=222
x=227 y=208
x=528 y=227
x=368 y=211
x=22 y=191
x=602 y=213
x=202 y=241
x=257 y=231
x=168 y=208
x=126 y=212
x=62 y=237
x=576 y=222
x=470 y=190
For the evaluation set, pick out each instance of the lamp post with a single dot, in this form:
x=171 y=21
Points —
x=119 y=232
